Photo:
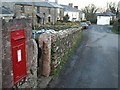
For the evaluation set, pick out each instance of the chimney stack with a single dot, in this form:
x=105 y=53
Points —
x=71 y=4
x=76 y=7
x=56 y=1
x=46 y=0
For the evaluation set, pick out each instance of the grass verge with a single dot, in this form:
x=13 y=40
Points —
x=115 y=31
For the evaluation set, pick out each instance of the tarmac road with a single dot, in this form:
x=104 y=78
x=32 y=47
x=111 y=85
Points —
x=95 y=62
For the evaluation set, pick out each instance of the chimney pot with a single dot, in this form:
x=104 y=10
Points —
x=46 y=0
x=71 y=4
x=56 y=1
x=76 y=7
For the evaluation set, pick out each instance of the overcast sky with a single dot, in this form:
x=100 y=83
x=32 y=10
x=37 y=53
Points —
x=82 y=3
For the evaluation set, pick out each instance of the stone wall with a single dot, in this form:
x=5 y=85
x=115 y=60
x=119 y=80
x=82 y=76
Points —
x=31 y=61
x=27 y=11
x=62 y=45
x=1 y=54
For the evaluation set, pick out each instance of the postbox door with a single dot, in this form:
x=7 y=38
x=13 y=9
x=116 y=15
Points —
x=18 y=55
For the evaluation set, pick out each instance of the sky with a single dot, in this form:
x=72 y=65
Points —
x=80 y=3
x=83 y=3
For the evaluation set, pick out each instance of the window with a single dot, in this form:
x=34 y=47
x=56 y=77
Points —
x=48 y=19
x=38 y=10
x=22 y=9
x=49 y=10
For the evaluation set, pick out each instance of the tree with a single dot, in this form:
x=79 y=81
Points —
x=90 y=11
x=66 y=18
x=112 y=7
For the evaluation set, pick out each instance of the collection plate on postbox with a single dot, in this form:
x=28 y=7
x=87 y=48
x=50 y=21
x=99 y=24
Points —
x=18 y=46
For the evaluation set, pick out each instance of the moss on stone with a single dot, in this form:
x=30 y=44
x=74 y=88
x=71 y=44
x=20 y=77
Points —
x=69 y=52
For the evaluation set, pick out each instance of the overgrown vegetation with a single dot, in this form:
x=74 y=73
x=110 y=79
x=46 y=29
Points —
x=116 y=27
x=59 y=25
x=92 y=20
x=112 y=7
x=66 y=18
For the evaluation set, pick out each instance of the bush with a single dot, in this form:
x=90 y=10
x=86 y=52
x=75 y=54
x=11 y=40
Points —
x=116 y=27
x=111 y=22
x=37 y=27
x=66 y=18
x=58 y=23
x=48 y=23
x=92 y=20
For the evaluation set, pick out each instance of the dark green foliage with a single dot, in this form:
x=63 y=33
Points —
x=116 y=27
x=66 y=18
x=112 y=22
x=92 y=20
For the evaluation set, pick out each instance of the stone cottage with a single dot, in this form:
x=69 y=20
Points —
x=41 y=12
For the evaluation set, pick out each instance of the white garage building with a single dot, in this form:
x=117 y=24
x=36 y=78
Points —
x=105 y=18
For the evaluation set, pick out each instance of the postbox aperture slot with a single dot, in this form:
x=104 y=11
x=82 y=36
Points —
x=18 y=38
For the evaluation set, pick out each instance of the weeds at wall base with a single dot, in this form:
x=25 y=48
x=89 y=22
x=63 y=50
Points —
x=115 y=31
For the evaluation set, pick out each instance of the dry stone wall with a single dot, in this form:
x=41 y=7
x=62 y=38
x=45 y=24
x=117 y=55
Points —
x=56 y=47
x=63 y=43
x=0 y=54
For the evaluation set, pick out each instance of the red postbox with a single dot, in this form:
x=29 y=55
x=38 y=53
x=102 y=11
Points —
x=18 y=46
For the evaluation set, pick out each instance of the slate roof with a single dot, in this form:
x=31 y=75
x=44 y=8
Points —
x=44 y=4
x=23 y=3
x=41 y=4
x=4 y=10
x=105 y=14
x=55 y=5
x=71 y=9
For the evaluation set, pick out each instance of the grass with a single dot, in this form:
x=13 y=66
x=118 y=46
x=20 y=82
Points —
x=115 y=27
x=115 y=31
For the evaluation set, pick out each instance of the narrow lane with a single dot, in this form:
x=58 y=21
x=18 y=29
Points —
x=95 y=63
